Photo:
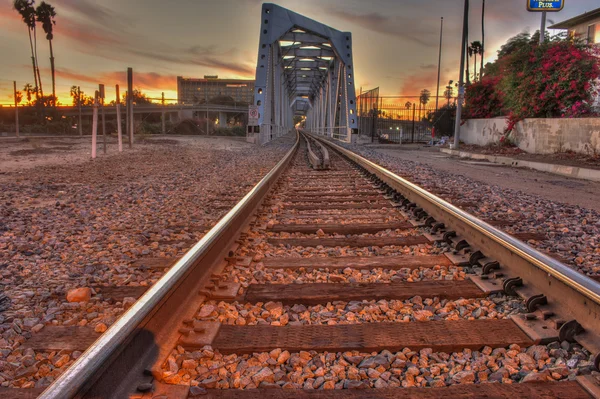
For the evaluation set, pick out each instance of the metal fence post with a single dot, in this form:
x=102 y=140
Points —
x=16 y=108
x=80 y=126
x=412 y=134
x=130 y=106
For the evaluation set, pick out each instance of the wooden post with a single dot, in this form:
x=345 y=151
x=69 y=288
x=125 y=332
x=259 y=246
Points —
x=130 y=105
x=79 y=103
x=164 y=130
x=102 y=94
x=16 y=108
x=119 y=132
x=94 y=125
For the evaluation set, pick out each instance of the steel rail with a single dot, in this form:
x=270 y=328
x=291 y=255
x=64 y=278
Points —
x=75 y=379
x=582 y=283
x=588 y=314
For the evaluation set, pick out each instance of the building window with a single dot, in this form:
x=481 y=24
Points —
x=591 y=34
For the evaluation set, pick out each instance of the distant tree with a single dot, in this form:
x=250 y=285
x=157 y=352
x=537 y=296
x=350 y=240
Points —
x=80 y=97
x=18 y=97
x=475 y=49
x=425 y=96
x=75 y=95
x=408 y=105
x=27 y=11
x=449 y=93
x=45 y=14
x=515 y=43
x=45 y=101
x=443 y=120
x=139 y=98
x=423 y=99
x=29 y=90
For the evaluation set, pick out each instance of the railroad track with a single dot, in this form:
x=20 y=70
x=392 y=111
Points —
x=348 y=278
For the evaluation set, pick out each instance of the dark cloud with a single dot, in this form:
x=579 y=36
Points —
x=401 y=27
x=428 y=66
x=92 y=11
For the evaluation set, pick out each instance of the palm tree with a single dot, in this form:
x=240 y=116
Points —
x=75 y=95
x=25 y=8
x=45 y=14
x=482 y=37
x=424 y=99
x=28 y=89
x=479 y=47
x=18 y=97
x=474 y=49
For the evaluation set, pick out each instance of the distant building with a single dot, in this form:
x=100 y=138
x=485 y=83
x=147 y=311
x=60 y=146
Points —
x=585 y=26
x=194 y=91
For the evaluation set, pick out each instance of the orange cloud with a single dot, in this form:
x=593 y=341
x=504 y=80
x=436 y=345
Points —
x=414 y=83
x=141 y=80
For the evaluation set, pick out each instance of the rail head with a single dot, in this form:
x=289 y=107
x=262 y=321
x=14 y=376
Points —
x=313 y=158
x=77 y=378
x=576 y=295
x=325 y=152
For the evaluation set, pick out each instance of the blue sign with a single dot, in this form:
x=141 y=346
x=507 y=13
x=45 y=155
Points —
x=535 y=5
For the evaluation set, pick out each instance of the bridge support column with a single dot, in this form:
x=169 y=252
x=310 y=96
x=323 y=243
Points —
x=222 y=119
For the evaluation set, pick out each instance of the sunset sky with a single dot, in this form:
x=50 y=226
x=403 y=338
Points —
x=395 y=41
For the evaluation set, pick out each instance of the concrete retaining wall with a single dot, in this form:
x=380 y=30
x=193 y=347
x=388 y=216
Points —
x=538 y=136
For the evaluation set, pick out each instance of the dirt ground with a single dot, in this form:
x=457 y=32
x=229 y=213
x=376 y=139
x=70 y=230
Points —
x=26 y=153
x=553 y=187
x=589 y=161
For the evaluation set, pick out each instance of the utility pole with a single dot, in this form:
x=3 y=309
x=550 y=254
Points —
x=16 y=108
x=543 y=28
x=164 y=130
x=130 y=106
x=461 y=83
x=437 y=92
x=79 y=106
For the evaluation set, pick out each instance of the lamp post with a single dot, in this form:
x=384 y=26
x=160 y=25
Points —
x=461 y=83
x=437 y=92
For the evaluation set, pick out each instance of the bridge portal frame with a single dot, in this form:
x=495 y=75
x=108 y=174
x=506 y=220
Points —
x=314 y=74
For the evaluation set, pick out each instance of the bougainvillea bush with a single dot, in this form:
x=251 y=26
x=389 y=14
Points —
x=554 y=80
x=484 y=99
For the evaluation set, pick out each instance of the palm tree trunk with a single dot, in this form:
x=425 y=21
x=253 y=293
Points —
x=37 y=68
x=32 y=59
x=475 y=67
x=482 y=37
x=52 y=70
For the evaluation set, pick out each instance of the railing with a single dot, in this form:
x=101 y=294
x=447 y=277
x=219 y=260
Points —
x=267 y=133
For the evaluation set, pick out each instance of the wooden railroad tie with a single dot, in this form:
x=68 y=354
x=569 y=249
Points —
x=357 y=242
x=358 y=262
x=440 y=336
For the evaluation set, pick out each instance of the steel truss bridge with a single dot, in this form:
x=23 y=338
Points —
x=303 y=68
